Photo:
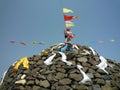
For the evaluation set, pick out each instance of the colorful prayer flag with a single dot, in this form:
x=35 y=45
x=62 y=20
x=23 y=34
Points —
x=69 y=25
x=65 y=10
x=67 y=18
x=33 y=42
x=112 y=40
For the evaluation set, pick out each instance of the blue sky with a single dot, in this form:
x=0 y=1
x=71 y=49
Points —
x=42 y=20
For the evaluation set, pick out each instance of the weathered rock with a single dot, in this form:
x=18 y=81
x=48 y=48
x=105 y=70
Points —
x=81 y=87
x=21 y=88
x=100 y=81
x=36 y=88
x=44 y=83
x=63 y=87
x=77 y=77
x=37 y=81
x=82 y=59
x=60 y=75
x=28 y=87
x=40 y=62
x=96 y=87
x=65 y=81
x=30 y=82
x=106 y=87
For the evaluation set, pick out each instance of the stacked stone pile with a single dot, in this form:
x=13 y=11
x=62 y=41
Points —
x=81 y=69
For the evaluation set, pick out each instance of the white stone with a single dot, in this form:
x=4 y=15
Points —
x=23 y=76
x=23 y=81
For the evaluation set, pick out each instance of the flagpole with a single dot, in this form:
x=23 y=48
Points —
x=62 y=12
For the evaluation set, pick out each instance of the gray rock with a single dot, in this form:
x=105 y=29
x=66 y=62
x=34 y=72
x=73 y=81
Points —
x=86 y=64
x=93 y=62
x=63 y=87
x=27 y=88
x=96 y=87
x=106 y=77
x=36 y=88
x=82 y=59
x=106 y=87
x=51 y=78
x=73 y=62
x=100 y=81
x=40 y=76
x=40 y=62
x=65 y=81
x=44 y=83
x=73 y=71
x=49 y=71
x=96 y=58
x=30 y=82
x=81 y=87
x=37 y=81
x=60 y=75
x=97 y=75
x=22 y=88
x=26 y=71
x=77 y=77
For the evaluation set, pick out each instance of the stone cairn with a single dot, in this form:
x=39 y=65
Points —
x=81 y=69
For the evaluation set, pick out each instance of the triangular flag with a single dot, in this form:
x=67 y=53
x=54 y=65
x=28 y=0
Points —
x=65 y=10
x=69 y=25
x=23 y=43
x=12 y=41
x=67 y=18
x=112 y=40
x=34 y=42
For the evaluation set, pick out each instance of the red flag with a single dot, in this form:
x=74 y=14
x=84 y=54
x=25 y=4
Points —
x=23 y=43
x=67 y=18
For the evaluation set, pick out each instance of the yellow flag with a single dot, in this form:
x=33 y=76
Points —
x=69 y=25
x=33 y=42
x=112 y=40
x=65 y=10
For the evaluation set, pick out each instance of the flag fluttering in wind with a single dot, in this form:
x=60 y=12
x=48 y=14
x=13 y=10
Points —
x=23 y=43
x=12 y=41
x=33 y=42
x=67 y=18
x=69 y=24
x=42 y=43
x=65 y=10
x=112 y=40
